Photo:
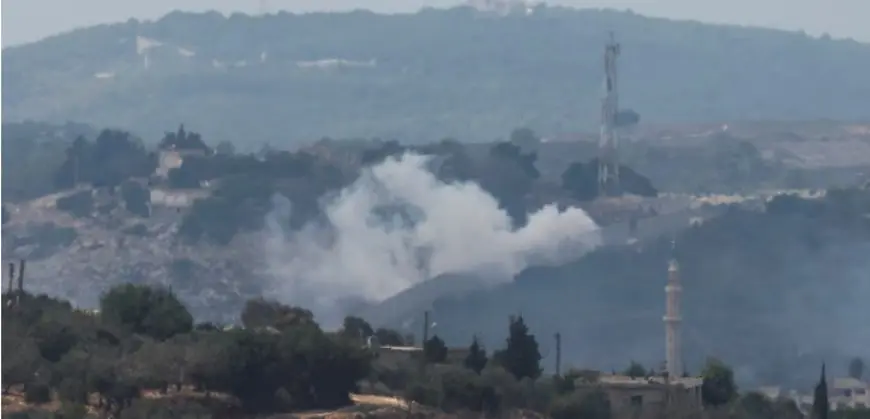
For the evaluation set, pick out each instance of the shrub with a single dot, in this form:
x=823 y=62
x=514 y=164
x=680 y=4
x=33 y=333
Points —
x=79 y=204
x=137 y=198
x=71 y=411
x=259 y=313
x=154 y=312
x=72 y=390
x=167 y=408
x=37 y=393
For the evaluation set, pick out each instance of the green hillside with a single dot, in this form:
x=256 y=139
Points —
x=423 y=76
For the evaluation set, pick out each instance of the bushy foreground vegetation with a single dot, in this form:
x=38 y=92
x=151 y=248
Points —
x=142 y=355
x=144 y=338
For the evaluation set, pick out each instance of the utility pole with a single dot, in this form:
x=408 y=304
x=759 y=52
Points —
x=425 y=327
x=422 y=360
x=558 y=354
x=21 y=276
x=11 y=278
x=264 y=7
x=20 y=283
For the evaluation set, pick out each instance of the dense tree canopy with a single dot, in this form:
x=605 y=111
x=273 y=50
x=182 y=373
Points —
x=31 y=153
x=719 y=387
x=54 y=352
x=112 y=158
x=260 y=313
x=112 y=353
x=152 y=312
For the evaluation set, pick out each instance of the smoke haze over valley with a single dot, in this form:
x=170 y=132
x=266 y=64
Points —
x=397 y=226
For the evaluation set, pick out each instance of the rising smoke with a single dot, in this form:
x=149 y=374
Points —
x=397 y=226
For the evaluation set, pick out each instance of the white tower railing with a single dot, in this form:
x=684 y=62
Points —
x=672 y=319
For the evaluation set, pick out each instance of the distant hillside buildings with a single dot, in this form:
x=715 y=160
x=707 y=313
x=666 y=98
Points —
x=504 y=7
x=844 y=393
x=173 y=149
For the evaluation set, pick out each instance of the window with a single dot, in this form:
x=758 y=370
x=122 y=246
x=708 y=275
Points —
x=637 y=400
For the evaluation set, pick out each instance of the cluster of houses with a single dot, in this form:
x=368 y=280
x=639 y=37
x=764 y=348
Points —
x=843 y=393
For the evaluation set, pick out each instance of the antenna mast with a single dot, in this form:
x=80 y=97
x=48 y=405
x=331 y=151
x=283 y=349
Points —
x=608 y=143
x=264 y=7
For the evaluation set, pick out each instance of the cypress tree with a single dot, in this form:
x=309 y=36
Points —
x=820 y=398
x=521 y=357
x=435 y=350
x=856 y=368
x=476 y=359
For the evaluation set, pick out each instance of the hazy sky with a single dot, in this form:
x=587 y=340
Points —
x=30 y=20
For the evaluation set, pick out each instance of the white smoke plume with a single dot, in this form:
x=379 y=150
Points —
x=397 y=226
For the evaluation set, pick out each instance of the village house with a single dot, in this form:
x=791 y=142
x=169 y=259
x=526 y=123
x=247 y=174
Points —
x=646 y=396
x=843 y=393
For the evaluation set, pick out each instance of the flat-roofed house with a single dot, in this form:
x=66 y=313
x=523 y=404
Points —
x=640 y=397
x=849 y=393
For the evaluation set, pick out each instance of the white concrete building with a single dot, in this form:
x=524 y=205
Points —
x=849 y=393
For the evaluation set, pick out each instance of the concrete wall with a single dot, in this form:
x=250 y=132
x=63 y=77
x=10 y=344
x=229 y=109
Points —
x=651 y=401
x=176 y=198
x=647 y=397
x=397 y=355
x=849 y=393
x=168 y=160
x=173 y=159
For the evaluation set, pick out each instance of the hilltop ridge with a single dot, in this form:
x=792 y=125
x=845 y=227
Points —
x=286 y=78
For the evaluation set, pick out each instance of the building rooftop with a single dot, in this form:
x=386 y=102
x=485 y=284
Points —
x=848 y=383
x=771 y=392
x=417 y=349
x=401 y=348
x=622 y=380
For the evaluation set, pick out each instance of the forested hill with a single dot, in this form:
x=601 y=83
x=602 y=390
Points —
x=285 y=78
